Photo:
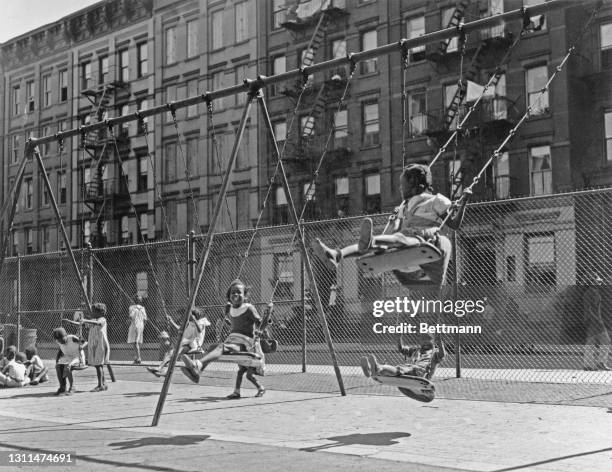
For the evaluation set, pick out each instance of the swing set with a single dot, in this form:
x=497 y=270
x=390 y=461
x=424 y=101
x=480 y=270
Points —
x=379 y=260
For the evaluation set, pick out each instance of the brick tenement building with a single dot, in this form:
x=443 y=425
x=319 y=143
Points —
x=119 y=56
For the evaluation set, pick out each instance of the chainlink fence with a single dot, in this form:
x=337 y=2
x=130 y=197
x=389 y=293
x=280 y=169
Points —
x=516 y=281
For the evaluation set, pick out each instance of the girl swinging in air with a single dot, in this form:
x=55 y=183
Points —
x=244 y=321
x=415 y=221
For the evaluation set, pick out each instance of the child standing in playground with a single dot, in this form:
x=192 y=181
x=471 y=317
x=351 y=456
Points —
x=98 y=347
x=193 y=338
x=68 y=356
x=244 y=320
x=421 y=360
x=415 y=221
x=37 y=372
x=138 y=316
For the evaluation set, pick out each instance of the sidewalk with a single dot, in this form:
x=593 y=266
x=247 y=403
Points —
x=200 y=430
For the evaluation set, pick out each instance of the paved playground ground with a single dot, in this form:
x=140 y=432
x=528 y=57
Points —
x=296 y=430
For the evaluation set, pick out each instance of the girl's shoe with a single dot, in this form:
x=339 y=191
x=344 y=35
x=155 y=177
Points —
x=365 y=236
x=98 y=389
x=260 y=392
x=137 y=361
x=105 y=387
x=233 y=396
x=365 y=366
x=60 y=391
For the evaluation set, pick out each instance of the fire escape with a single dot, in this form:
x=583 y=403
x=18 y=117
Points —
x=310 y=21
x=103 y=188
x=495 y=114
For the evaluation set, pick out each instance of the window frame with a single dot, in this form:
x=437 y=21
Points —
x=365 y=143
x=369 y=66
x=544 y=101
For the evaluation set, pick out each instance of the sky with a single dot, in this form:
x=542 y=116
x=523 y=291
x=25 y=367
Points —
x=21 y=16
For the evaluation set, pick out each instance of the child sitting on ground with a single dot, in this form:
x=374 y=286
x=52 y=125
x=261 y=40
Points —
x=422 y=360
x=37 y=372
x=14 y=373
x=193 y=338
x=244 y=320
x=68 y=357
x=415 y=221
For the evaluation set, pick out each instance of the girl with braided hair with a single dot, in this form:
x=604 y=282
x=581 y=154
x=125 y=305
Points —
x=415 y=221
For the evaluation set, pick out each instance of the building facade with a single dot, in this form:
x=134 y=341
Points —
x=159 y=179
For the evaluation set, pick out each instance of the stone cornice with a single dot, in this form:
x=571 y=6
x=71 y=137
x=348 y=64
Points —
x=84 y=25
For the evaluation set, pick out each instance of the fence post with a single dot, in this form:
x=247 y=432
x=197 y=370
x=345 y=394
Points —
x=191 y=260
x=89 y=271
x=18 y=302
x=455 y=295
x=304 y=333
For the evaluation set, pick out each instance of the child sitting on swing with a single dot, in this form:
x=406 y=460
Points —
x=421 y=360
x=415 y=221
x=193 y=338
x=244 y=321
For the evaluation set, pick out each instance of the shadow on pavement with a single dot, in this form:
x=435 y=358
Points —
x=186 y=440
x=370 y=439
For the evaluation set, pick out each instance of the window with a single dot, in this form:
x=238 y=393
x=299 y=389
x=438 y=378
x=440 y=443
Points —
x=283 y=269
x=241 y=74
x=46 y=86
x=191 y=156
x=541 y=170
x=143 y=226
x=415 y=27
x=495 y=7
x=371 y=125
x=44 y=239
x=541 y=262
x=279 y=13
x=124 y=128
x=171 y=45
x=16 y=148
x=368 y=41
x=342 y=196
x=125 y=230
x=417 y=112
x=192 y=38
x=29 y=240
x=46 y=147
x=170 y=162
x=15 y=97
x=142 y=181
x=500 y=105
x=87 y=231
x=170 y=97
x=44 y=194
x=450 y=106
x=501 y=174
x=28 y=194
x=242 y=25
x=372 y=198
x=218 y=79
x=338 y=51
x=341 y=129
x=142 y=284
x=124 y=65
x=447 y=16
x=608 y=132
x=61 y=186
x=103 y=70
x=281 y=208
x=280 y=133
x=143 y=56
x=192 y=91
x=217 y=29
x=605 y=32
x=279 y=65
x=63 y=85
x=86 y=78
x=142 y=104
x=537 y=22
x=536 y=79
x=30 y=96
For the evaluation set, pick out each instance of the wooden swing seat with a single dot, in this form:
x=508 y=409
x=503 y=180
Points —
x=408 y=259
x=243 y=358
x=417 y=388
